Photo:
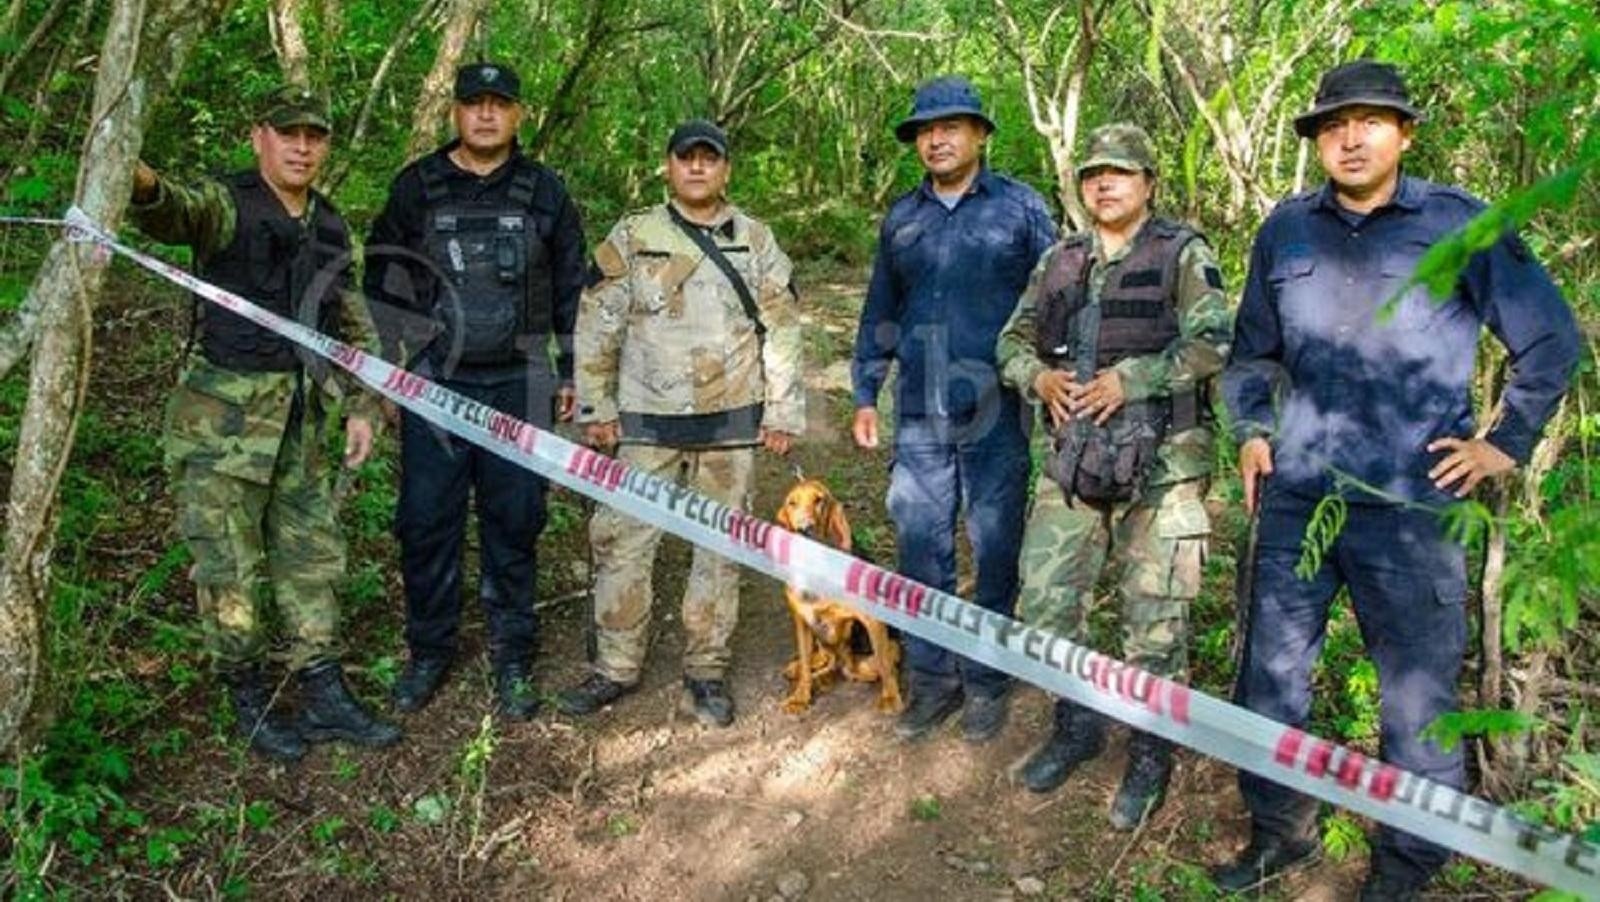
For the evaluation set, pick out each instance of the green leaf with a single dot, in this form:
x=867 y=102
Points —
x=431 y=809
x=1449 y=729
x=258 y=815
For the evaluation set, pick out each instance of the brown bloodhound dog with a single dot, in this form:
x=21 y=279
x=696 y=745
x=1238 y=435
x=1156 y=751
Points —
x=823 y=627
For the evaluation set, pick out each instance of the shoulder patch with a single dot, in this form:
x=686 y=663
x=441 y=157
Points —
x=607 y=264
x=1213 y=276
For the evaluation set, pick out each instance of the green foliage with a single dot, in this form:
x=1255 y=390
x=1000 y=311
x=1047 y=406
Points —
x=1322 y=530
x=326 y=831
x=431 y=809
x=1554 y=566
x=1441 y=266
x=1342 y=837
x=383 y=819
x=620 y=824
x=926 y=808
x=1449 y=729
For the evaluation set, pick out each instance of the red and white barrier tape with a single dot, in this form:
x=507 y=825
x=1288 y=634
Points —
x=1317 y=767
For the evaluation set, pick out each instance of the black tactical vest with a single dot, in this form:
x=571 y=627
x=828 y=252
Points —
x=495 y=293
x=294 y=268
x=1138 y=313
x=1108 y=463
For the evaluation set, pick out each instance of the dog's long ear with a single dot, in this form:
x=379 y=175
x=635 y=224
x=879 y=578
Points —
x=838 y=526
x=782 y=519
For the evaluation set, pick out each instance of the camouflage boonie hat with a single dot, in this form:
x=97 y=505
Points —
x=1122 y=145
x=289 y=106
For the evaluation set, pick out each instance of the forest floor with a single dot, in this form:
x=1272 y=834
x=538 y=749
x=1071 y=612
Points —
x=636 y=802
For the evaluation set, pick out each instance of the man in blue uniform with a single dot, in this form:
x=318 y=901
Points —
x=1344 y=381
x=954 y=255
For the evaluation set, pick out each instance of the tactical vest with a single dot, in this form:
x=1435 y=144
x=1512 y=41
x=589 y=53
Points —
x=1137 y=315
x=296 y=269
x=495 y=292
x=1137 y=310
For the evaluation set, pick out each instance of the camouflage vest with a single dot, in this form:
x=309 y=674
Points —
x=496 y=290
x=296 y=269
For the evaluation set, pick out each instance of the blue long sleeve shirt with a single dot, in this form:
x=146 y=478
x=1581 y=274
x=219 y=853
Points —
x=1342 y=386
x=944 y=282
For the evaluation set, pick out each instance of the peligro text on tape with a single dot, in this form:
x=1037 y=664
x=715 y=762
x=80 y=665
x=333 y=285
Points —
x=1209 y=725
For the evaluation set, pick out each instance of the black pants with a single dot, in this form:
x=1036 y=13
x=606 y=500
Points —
x=436 y=471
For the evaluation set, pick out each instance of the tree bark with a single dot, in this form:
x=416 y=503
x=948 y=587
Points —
x=434 y=102
x=1056 y=104
x=285 y=25
x=142 y=52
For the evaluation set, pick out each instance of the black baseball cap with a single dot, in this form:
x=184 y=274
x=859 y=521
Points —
x=697 y=131
x=476 y=79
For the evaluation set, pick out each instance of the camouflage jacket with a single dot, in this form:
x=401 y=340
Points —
x=238 y=419
x=1196 y=355
x=662 y=333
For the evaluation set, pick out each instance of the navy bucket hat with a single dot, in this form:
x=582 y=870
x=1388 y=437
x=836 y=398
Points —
x=1358 y=83
x=941 y=98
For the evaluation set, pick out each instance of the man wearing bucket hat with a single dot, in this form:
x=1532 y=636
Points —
x=953 y=257
x=246 y=423
x=1347 y=380
x=484 y=245
x=1117 y=338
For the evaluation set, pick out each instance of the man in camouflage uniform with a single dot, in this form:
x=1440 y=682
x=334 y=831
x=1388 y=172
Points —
x=1119 y=330
x=686 y=361
x=246 y=425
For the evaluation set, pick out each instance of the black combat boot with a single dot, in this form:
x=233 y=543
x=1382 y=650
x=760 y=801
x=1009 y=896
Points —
x=418 y=682
x=1267 y=858
x=269 y=733
x=331 y=712
x=708 y=701
x=514 y=695
x=929 y=708
x=1144 y=784
x=1080 y=734
x=594 y=693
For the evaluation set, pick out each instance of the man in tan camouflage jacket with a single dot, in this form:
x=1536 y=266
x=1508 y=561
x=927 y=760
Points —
x=688 y=348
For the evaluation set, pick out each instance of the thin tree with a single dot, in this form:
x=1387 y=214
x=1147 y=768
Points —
x=461 y=21
x=145 y=45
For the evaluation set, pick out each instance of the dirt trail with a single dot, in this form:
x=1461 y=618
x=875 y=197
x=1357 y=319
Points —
x=635 y=802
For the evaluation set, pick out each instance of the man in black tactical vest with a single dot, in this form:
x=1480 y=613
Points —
x=1116 y=337
x=485 y=244
x=245 y=426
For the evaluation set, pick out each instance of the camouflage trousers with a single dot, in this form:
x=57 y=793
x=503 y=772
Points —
x=256 y=543
x=624 y=554
x=1157 y=545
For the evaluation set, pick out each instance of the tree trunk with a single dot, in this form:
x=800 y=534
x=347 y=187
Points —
x=1055 y=100
x=289 y=41
x=434 y=102
x=63 y=294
